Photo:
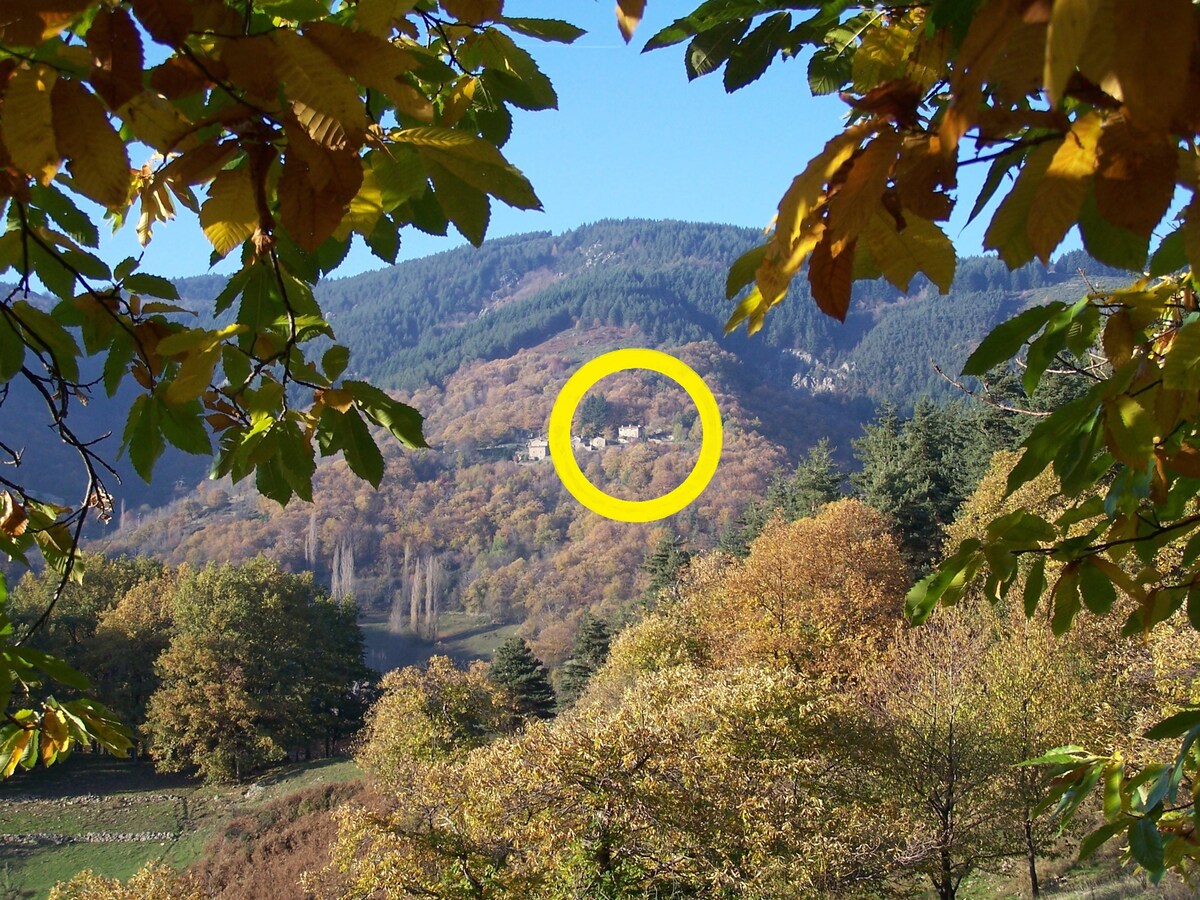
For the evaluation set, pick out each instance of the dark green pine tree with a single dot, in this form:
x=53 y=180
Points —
x=587 y=656
x=817 y=481
x=516 y=670
x=593 y=415
x=739 y=534
x=664 y=564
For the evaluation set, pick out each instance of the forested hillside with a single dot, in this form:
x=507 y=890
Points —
x=480 y=340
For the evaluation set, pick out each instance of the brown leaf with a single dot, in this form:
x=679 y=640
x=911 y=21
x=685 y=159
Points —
x=116 y=49
x=830 y=278
x=474 y=12
x=629 y=14
x=315 y=188
x=1154 y=57
x=896 y=100
x=168 y=21
x=920 y=173
x=251 y=64
x=180 y=77
x=1135 y=176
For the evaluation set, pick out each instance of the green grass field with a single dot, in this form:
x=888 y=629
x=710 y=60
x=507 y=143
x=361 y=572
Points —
x=89 y=794
x=461 y=637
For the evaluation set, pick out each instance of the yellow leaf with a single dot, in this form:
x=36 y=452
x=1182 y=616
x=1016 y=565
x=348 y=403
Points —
x=376 y=16
x=156 y=122
x=194 y=376
x=459 y=100
x=229 y=215
x=28 y=124
x=365 y=208
x=96 y=154
x=16 y=750
x=794 y=236
x=1008 y=232
x=629 y=14
x=374 y=63
x=1060 y=194
x=326 y=101
x=1070 y=21
x=860 y=194
x=918 y=247
x=882 y=55
x=1100 y=48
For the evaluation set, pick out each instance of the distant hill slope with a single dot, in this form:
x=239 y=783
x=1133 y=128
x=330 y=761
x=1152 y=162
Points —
x=417 y=323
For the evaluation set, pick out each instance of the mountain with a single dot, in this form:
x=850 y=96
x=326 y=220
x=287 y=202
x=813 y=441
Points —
x=481 y=340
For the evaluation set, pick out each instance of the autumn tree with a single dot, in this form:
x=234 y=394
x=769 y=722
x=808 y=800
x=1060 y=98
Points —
x=288 y=130
x=259 y=664
x=1089 y=106
x=436 y=712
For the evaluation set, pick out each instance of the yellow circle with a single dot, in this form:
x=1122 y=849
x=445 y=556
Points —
x=568 y=469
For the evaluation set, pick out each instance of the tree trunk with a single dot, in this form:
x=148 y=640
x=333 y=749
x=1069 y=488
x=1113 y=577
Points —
x=1031 y=854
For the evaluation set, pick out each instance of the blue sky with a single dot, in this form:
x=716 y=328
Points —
x=631 y=138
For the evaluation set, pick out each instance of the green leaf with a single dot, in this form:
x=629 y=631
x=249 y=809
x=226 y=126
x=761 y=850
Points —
x=1066 y=600
x=468 y=208
x=184 y=428
x=143 y=437
x=1097 y=591
x=56 y=668
x=116 y=364
x=45 y=334
x=1145 y=845
x=12 y=350
x=1035 y=586
x=1001 y=166
x=401 y=420
x=1069 y=756
x=69 y=217
x=709 y=51
x=829 y=71
x=1174 y=726
x=514 y=72
x=359 y=448
x=755 y=52
x=946 y=584
x=1170 y=257
x=296 y=460
x=151 y=285
x=1006 y=340
x=473 y=161
x=335 y=360
x=741 y=273
x=1101 y=836
x=545 y=29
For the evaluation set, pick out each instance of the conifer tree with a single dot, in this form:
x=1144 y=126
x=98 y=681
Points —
x=817 y=481
x=664 y=564
x=518 y=671
x=587 y=656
